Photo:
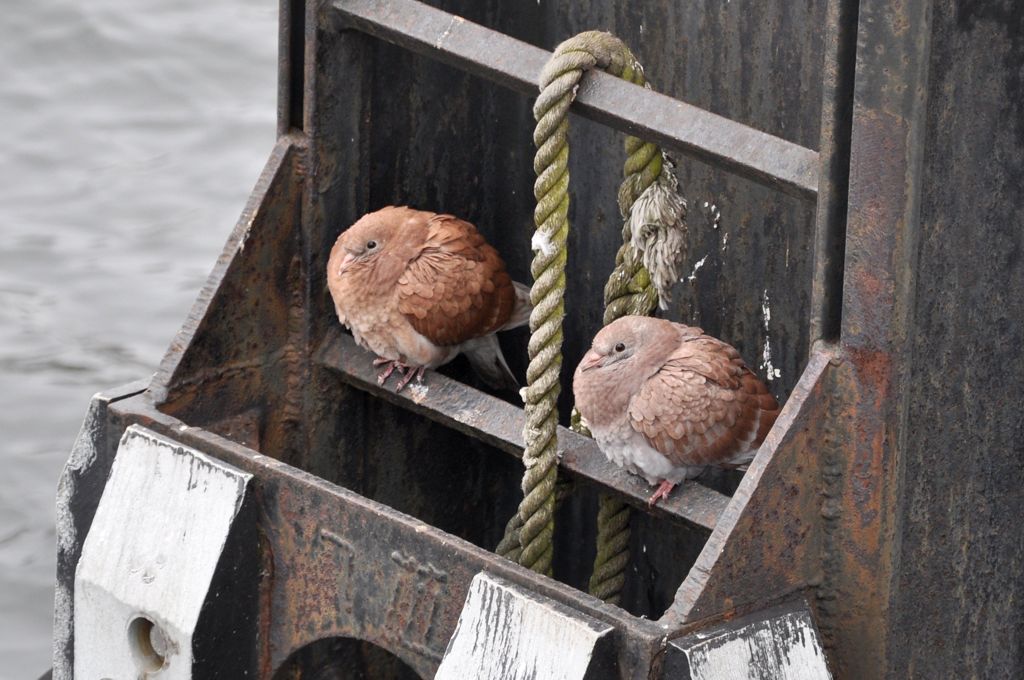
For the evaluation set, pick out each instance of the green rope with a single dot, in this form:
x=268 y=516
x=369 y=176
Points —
x=630 y=290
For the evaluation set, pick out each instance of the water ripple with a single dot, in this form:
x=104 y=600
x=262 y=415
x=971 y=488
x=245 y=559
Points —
x=132 y=135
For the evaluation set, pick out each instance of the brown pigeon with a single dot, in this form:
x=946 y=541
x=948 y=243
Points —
x=664 y=400
x=417 y=288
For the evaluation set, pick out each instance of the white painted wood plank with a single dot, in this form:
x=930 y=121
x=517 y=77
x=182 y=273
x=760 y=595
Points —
x=505 y=632
x=150 y=556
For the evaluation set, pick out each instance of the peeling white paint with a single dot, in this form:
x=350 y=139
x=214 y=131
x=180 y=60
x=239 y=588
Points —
x=770 y=372
x=158 y=534
x=786 y=647
x=245 y=237
x=507 y=632
x=714 y=214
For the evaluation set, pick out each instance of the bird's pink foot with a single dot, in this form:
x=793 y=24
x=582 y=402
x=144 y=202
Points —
x=664 y=489
x=391 y=366
x=409 y=373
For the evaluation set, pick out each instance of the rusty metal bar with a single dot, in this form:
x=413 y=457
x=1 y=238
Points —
x=500 y=424
x=692 y=131
x=870 y=430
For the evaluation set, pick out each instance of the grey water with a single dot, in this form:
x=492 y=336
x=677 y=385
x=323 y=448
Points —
x=130 y=136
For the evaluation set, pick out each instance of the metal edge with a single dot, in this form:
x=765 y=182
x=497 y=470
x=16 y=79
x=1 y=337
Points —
x=283 y=153
x=778 y=457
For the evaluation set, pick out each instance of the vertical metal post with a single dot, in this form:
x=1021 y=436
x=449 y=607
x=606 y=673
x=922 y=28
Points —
x=838 y=70
x=867 y=430
x=291 y=65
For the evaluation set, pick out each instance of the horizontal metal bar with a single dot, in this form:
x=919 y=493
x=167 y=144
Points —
x=677 y=126
x=500 y=424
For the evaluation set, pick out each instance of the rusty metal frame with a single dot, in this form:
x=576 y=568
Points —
x=725 y=581
x=811 y=516
x=726 y=144
x=743 y=565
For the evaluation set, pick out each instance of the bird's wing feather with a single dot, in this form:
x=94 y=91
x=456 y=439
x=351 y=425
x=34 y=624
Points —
x=457 y=287
x=704 y=406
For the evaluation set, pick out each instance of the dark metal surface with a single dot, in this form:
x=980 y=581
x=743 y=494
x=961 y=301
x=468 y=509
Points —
x=609 y=100
x=838 y=72
x=957 y=593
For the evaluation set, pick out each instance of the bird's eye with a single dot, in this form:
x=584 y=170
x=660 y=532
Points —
x=620 y=347
x=370 y=245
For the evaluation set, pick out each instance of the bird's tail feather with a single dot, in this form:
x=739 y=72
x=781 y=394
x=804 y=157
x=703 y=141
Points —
x=485 y=356
x=521 y=311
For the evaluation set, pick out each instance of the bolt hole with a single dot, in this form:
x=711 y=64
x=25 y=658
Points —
x=148 y=644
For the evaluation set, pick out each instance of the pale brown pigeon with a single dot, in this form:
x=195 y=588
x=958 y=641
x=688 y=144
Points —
x=417 y=288
x=664 y=400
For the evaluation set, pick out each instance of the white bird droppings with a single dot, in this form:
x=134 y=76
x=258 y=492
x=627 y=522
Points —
x=543 y=243
x=417 y=390
x=771 y=373
x=696 y=267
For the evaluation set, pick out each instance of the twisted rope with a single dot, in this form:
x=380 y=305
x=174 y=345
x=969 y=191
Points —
x=633 y=288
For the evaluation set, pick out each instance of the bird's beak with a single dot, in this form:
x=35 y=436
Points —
x=346 y=262
x=590 y=360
